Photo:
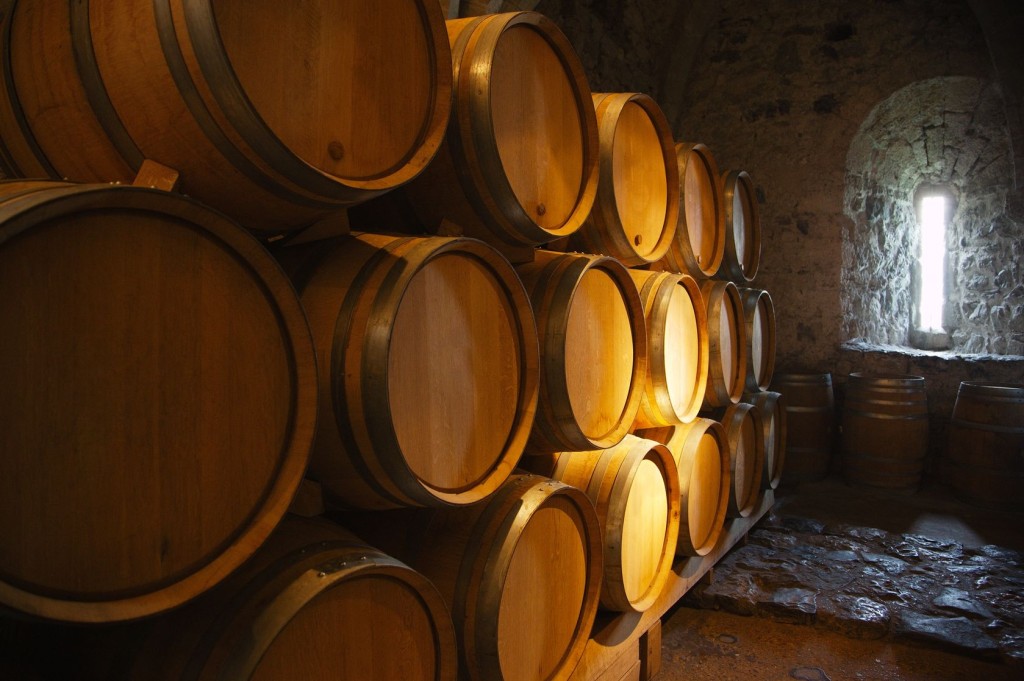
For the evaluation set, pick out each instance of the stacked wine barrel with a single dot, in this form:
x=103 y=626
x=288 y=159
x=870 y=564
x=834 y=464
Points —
x=517 y=385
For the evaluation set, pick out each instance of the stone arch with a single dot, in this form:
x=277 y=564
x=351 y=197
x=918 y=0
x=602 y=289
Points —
x=948 y=131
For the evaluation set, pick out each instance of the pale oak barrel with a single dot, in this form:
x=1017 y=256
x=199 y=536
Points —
x=727 y=343
x=159 y=379
x=744 y=431
x=742 y=256
x=772 y=407
x=519 y=166
x=759 y=325
x=522 y=610
x=275 y=113
x=635 y=488
x=593 y=347
x=985 y=451
x=699 y=246
x=701 y=452
x=637 y=207
x=884 y=430
x=677 y=348
x=428 y=360
x=810 y=416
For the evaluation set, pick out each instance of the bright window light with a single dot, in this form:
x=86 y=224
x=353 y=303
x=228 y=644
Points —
x=933 y=256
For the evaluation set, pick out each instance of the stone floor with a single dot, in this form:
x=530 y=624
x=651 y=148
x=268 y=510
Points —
x=849 y=583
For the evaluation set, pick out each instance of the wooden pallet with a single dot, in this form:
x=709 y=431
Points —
x=627 y=646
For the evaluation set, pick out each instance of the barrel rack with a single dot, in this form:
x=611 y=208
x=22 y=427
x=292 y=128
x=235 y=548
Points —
x=627 y=647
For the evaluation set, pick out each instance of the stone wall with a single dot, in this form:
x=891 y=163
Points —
x=626 y=45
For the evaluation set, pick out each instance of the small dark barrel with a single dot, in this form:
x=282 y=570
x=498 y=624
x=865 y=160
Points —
x=884 y=430
x=985 y=451
x=810 y=416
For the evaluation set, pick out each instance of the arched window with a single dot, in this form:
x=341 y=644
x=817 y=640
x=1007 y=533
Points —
x=943 y=136
x=934 y=207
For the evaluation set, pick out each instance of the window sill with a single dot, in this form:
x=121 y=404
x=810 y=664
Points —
x=861 y=345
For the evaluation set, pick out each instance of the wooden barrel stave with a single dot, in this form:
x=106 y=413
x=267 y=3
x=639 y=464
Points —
x=745 y=434
x=426 y=345
x=174 y=456
x=701 y=451
x=635 y=489
x=699 y=246
x=742 y=228
x=592 y=375
x=521 y=610
x=810 y=416
x=516 y=75
x=634 y=217
x=772 y=407
x=759 y=324
x=677 y=348
x=985 y=450
x=727 y=343
x=885 y=430
x=276 y=142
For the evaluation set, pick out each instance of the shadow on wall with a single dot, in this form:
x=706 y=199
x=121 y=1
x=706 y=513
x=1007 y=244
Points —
x=941 y=131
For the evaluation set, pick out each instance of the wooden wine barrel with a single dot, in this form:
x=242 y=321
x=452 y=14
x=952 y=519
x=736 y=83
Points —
x=265 y=108
x=727 y=343
x=593 y=345
x=699 y=246
x=884 y=430
x=772 y=407
x=701 y=452
x=810 y=416
x=425 y=345
x=744 y=431
x=742 y=228
x=677 y=348
x=315 y=603
x=637 y=208
x=521 y=574
x=759 y=325
x=519 y=166
x=635 y=488
x=158 y=385
x=985 y=451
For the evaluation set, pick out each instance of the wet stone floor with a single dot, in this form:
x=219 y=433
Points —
x=871 y=584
